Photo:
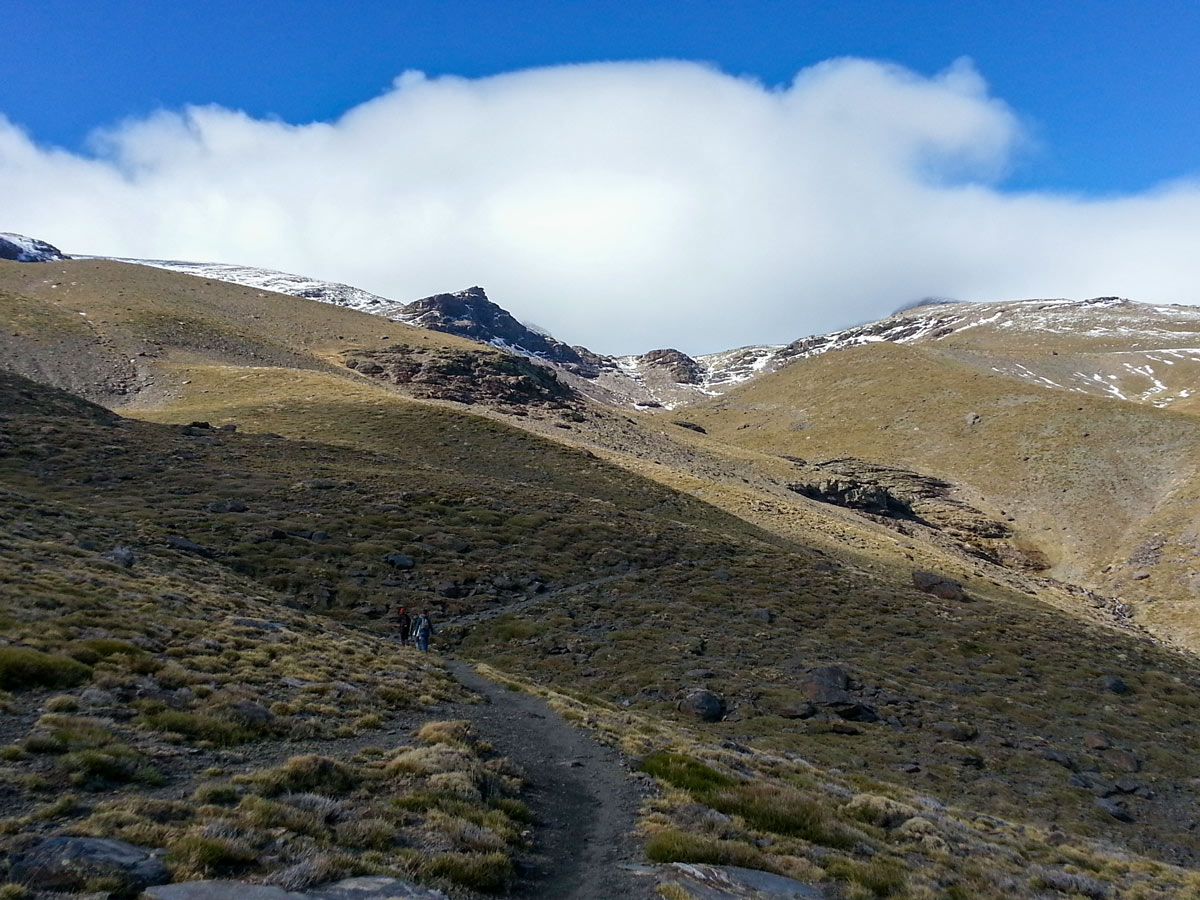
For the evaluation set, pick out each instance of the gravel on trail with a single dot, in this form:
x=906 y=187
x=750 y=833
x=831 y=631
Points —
x=581 y=793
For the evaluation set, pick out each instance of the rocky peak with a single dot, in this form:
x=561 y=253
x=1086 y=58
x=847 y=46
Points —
x=679 y=366
x=20 y=248
x=471 y=314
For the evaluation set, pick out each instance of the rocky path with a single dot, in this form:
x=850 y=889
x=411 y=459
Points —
x=580 y=792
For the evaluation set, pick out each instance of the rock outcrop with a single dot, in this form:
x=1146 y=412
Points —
x=464 y=376
x=20 y=248
x=470 y=314
x=74 y=863
x=679 y=367
x=907 y=500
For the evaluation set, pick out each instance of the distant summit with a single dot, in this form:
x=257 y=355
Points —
x=20 y=248
x=925 y=301
x=470 y=314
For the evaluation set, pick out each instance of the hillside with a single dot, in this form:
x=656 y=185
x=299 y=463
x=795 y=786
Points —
x=679 y=582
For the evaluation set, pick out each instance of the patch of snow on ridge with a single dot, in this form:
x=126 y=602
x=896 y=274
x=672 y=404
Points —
x=280 y=283
x=735 y=366
x=21 y=248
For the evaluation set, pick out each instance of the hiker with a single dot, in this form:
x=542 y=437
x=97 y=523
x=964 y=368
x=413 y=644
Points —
x=404 y=626
x=422 y=628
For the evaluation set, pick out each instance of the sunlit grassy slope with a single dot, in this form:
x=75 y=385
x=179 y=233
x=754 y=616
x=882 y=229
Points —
x=1085 y=479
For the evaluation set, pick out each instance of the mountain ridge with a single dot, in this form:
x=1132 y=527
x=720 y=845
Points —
x=669 y=378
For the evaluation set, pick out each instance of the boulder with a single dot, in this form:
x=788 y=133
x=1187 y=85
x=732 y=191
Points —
x=1057 y=756
x=704 y=705
x=122 y=556
x=938 y=585
x=1113 y=683
x=1115 y=808
x=250 y=713
x=955 y=731
x=1123 y=761
x=70 y=863
x=827 y=687
x=399 y=561
x=706 y=882
x=762 y=616
x=1093 y=740
x=176 y=542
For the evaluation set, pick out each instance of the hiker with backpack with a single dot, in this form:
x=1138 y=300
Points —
x=404 y=626
x=422 y=628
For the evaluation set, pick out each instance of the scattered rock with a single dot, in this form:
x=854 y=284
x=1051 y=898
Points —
x=399 y=561
x=955 y=731
x=1057 y=756
x=257 y=624
x=94 y=697
x=71 y=863
x=938 y=585
x=1123 y=761
x=802 y=710
x=177 y=542
x=1115 y=808
x=1093 y=783
x=704 y=705
x=1113 y=683
x=250 y=713
x=122 y=556
x=1130 y=786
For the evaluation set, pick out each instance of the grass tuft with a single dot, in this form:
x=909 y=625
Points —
x=23 y=669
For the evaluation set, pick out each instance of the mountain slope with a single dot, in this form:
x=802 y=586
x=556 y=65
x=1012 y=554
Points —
x=966 y=710
x=1078 y=476
x=877 y=739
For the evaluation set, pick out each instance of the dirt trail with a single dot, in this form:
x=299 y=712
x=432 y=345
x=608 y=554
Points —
x=580 y=792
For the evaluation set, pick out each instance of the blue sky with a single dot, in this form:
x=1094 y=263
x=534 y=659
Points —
x=1109 y=90
x=628 y=175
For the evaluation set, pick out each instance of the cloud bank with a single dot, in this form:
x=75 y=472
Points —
x=625 y=206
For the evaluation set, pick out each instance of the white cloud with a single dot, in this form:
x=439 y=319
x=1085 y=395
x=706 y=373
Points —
x=622 y=205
